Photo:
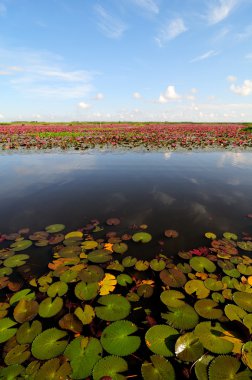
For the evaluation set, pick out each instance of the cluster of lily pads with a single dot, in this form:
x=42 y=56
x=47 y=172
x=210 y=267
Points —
x=129 y=135
x=100 y=313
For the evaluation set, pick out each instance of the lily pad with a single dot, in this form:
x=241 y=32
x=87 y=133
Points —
x=49 y=344
x=244 y=269
x=25 y=310
x=188 y=347
x=171 y=234
x=50 y=307
x=247 y=354
x=247 y=321
x=74 y=234
x=86 y=291
x=143 y=237
x=212 y=337
x=18 y=354
x=6 y=329
x=25 y=294
x=201 y=366
x=114 y=307
x=160 y=339
x=226 y=368
x=120 y=248
x=111 y=367
x=124 y=279
x=212 y=284
x=53 y=369
x=206 y=308
x=93 y=273
x=55 y=228
x=89 y=244
x=15 y=261
x=172 y=298
x=142 y=265
x=57 y=288
x=245 y=245
x=70 y=322
x=198 y=287
x=117 y=338
x=27 y=332
x=234 y=313
x=230 y=236
x=184 y=317
x=145 y=290
x=129 y=261
x=157 y=265
x=85 y=315
x=210 y=235
x=99 y=256
x=11 y=372
x=21 y=245
x=244 y=300
x=159 y=369
x=200 y=264
x=173 y=277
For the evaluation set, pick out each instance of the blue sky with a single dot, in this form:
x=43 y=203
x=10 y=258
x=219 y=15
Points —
x=174 y=60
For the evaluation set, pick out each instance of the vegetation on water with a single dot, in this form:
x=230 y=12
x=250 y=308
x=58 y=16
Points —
x=148 y=136
x=100 y=313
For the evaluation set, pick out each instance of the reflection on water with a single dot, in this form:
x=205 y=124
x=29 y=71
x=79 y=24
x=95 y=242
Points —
x=190 y=192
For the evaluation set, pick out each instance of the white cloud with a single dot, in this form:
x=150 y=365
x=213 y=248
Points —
x=170 y=30
x=99 y=96
x=148 y=5
x=84 y=105
x=2 y=9
x=231 y=78
x=136 y=95
x=244 y=90
x=3 y=72
x=208 y=54
x=1 y=116
x=110 y=25
x=220 y=9
x=169 y=94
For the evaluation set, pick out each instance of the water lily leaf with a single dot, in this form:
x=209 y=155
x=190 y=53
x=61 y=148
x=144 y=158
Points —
x=89 y=244
x=217 y=297
x=171 y=233
x=4 y=306
x=234 y=313
x=114 y=307
x=85 y=315
x=232 y=272
x=71 y=323
x=210 y=235
x=25 y=294
x=56 y=239
x=188 y=347
x=230 y=236
x=25 y=310
x=145 y=291
x=108 y=284
x=212 y=284
x=11 y=372
x=143 y=237
x=57 y=288
x=184 y=317
x=5 y=271
x=55 y=228
x=54 y=370
x=93 y=273
x=129 y=261
x=247 y=321
x=50 y=307
x=206 y=308
x=6 y=329
x=226 y=368
x=142 y=265
x=124 y=279
x=111 y=367
x=16 y=260
x=69 y=275
x=201 y=366
x=172 y=298
x=229 y=282
x=173 y=277
x=113 y=221
x=245 y=245
x=212 y=337
x=247 y=354
x=244 y=269
x=48 y=344
x=21 y=245
x=159 y=369
x=86 y=291
x=243 y=287
x=99 y=256
x=74 y=234
x=117 y=338
x=198 y=287
x=157 y=265
x=71 y=251
x=17 y=355
x=132 y=297
x=120 y=248
x=115 y=265
x=244 y=300
x=184 y=267
x=160 y=339
x=200 y=264
x=27 y=332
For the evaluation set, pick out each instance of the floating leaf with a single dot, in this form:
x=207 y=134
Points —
x=85 y=315
x=50 y=307
x=21 y=245
x=108 y=284
x=201 y=366
x=26 y=333
x=99 y=256
x=243 y=300
x=89 y=244
x=17 y=355
x=234 y=313
x=55 y=228
x=198 y=287
x=74 y=234
x=217 y=297
x=4 y=306
x=12 y=372
x=200 y=264
x=6 y=329
x=230 y=236
x=245 y=245
x=206 y=308
x=232 y=272
x=173 y=278
x=114 y=307
x=25 y=310
x=157 y=265
x=53 y=369
x=210 y=235
x=48 y=345
x=57 y=288
x=184 y=317
x=86 y=291
x=188 y=348
x=145 y=291
x=93 y=273
x=142 y=265
x=129 y=261
x=244 y=269
x=117 y=338
x=212 y=337
x=172 y=298
x=212 y=284
x=159 y=369
x=226 y=368
x=143 y=237
x=71 y=251
x=25 y=294
x=71 y=323
x=113 y=221
x=247 y=321
x=171 y=234
x=15 y=261
x=115 y=265
x=160 y=339
x=111 y=367
x=69 y=275
x=120 y=248
x=124 y=279
x=247 y=354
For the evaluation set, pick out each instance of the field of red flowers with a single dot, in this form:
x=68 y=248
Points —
x=150 y=136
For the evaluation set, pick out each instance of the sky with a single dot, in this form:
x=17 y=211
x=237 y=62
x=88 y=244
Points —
x=126 y=60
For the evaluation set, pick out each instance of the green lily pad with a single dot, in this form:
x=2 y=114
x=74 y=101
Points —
x=172 y=298
x=142 y=265
x=129 y=261
x=70 y=251
x=11 y=372
x=247 y=321
x=21 y=245
x=86 y=291
x=25 y=294
x=85 y=315
x=218 y=297
x=6 y=329
x=57 y=288
x=232 y=272
x=184 y=317
x=145 y=290
x=230 y=236
x=210 y=235
x=244 y=269
x=15 y=261
x=234 y=313
x=99 y=256
x=117 y=338
x=159 y=369
x=49 y=344
x=5 y=271
x=157 y=265
x=184 y=267
x=200 y=264
x=197 y=287
x=120 y=248
x=50 y=307
x=111 y=367
x=143 y=237
x=201 y=366
x=27 y=332
x=244 y=300
x=114 y=307
x=247 y=354
x=212 y=284
x=206 y=308
x=115 y=265
x=245 y=245
x=68 y=276
x=25 y=310
x=89 y=244
x=124 y=279
x=53 y=369
x=18 y=354
x=54 y=228
x=212 y=337
x=83 y=354
x=160 y=339
x=226 y=368
x=173 y=277
x=93 y=273
x=188 y=347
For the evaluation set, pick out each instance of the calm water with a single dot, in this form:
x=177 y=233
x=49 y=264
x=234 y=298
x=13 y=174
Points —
x=190 y=192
